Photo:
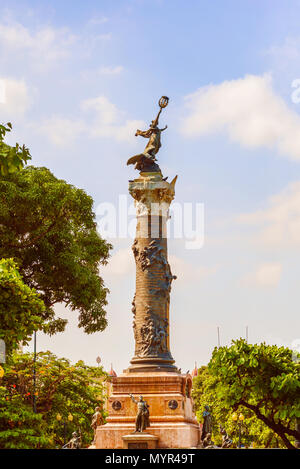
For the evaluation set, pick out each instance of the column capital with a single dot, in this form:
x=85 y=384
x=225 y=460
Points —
x=150 y=189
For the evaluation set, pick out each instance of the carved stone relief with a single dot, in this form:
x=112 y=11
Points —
x=153 y=335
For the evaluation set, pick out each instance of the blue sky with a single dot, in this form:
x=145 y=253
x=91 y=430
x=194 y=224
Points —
x=80 y=77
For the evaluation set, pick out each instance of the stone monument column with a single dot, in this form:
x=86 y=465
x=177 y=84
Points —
x=152 y=379
x=150 y=309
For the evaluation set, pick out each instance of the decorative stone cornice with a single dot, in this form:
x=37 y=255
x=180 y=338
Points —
x=152 y=194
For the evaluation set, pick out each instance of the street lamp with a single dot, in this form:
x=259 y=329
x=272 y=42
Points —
x=70 y=419
x=239 y=421
x=34 y=373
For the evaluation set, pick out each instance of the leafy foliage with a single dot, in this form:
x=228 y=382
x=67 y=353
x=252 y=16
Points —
x=20 y=307
x=254 y=431
x=61 y=388
x=260 y=380
x=20 y=427
x=11 y=158
x=48 y=227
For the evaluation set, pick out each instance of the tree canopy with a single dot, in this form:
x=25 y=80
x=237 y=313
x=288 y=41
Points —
x=48 y=227
x=12 y=158
x=254 y=432
x=261 y=380
x=62 y=389
x=20 y=307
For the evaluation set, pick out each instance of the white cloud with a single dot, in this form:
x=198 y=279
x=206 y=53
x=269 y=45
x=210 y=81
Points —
x=15 y=98
x=104 y=120
x=104 y=71
x=59 y=130
x=102 y=37
x=121 y=263
x=290 y=49
x=108 y=120
x=279 y=221
x=43 y=47
x=266 y=275
x=188 y=272
x=96 y=20
x=287 y=54
x=106 y=111
x=248 y=111
x=125 y=132
x=110 y=70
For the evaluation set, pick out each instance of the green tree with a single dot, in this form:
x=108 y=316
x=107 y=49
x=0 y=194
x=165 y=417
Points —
x=11 y=158
x=262 y=380
x=254 y=431
x=61 y=389
x=20 y=307
x=48 y=227
x=20 y=427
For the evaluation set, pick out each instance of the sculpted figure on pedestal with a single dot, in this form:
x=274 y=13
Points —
x=226 y=440
x=97 y=420
x=74 y=443
x=142 y=418
x=146 y=161
x=207 y=424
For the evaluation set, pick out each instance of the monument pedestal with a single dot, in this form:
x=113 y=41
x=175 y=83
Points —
x=139 y=441
x=172 y=420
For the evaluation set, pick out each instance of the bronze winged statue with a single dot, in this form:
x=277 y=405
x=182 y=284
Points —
x=146 y=161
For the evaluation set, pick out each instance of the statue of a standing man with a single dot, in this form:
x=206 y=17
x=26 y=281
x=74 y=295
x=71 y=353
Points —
x=142 y=417
x=207 y=423
x=97 y=420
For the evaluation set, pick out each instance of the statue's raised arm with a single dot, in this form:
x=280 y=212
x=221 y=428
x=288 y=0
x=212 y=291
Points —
x=146 y=161
x=133 y=399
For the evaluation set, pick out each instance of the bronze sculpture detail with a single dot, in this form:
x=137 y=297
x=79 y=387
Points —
x=207 y=423
x=145 y=161
x=151 y=338
x=173 y=404
x=226 y=440
x=154 y=333
x=74 y=443
x=116 y=405
x=142 y=418
x=97 y=420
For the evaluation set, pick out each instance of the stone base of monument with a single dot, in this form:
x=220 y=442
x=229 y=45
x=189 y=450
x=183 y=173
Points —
x=172 y=435
x=139 y=441
x=172 y=420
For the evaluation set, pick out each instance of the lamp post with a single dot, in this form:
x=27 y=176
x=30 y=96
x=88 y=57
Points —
x=297 y=441
x=238 y=420
x=34 y=373
x=70 y=419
